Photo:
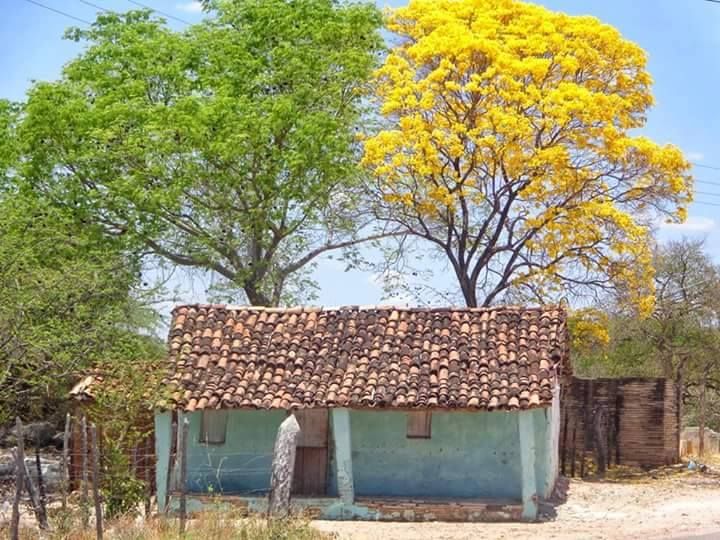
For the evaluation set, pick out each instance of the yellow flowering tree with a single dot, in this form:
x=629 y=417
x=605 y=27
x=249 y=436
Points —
x=509 y=145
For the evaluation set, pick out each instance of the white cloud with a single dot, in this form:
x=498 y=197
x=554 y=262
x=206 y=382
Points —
x=190 y=7
x=693 y=224
x=695 y=156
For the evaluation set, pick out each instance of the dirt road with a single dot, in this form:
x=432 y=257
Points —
x=679 y=507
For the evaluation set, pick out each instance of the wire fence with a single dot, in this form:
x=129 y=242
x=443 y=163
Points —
x=79 y=466
x=87 y=469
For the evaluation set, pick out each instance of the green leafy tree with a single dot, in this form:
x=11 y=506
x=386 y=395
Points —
x=679 y=341
x=69 y=298
x=228 y=147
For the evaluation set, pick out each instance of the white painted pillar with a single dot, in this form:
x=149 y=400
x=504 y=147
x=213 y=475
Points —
x=553 y=444
x=343 y=454
x=526 y=430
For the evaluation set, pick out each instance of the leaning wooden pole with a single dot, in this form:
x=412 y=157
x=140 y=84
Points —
x=96 y=482
x=84 y=492
x=171 y=481
x=65 y=464
x=41 y=485
x=34 y=496
x=19 y=476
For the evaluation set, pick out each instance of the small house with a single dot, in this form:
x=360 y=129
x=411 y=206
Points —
x=405 y=413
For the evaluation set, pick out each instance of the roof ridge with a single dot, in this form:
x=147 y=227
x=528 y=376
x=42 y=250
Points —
x=367 y=307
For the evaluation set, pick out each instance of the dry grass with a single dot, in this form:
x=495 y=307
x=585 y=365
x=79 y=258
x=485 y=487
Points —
x=211 y=525
x=711 y=460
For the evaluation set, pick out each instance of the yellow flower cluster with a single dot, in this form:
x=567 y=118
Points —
x=588 y=329
x=484 y=98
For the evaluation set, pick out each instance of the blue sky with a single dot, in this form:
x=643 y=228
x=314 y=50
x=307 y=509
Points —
x=682 y=38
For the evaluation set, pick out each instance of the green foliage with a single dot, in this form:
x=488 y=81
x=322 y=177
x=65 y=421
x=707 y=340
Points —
x=680 y=341
x=123 y=494
x=227 y=147
x=8 y=142
x=69 y=298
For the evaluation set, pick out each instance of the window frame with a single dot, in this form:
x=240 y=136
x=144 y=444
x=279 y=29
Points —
x=412 y=418
x=213 y=415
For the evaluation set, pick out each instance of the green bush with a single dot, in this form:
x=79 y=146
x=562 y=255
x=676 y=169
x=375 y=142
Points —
x=122 y=494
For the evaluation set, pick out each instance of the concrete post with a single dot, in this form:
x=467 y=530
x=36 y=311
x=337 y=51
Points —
x=343 y=454
x=526 y=429
x=163 y=434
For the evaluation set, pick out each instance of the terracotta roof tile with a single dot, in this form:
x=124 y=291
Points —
x=248 y=357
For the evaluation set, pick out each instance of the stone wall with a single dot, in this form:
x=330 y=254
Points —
x=638 y=418
x=368 y=508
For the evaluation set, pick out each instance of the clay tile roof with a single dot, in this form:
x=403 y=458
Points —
x=503 y=358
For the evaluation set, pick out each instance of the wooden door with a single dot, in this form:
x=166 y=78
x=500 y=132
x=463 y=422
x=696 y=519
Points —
x=311 y=459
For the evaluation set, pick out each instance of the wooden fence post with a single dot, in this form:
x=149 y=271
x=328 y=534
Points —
x=19 y=476
x=171 y=480
x=34 y=497
x=65 y=471
x=84 y=493
x=182 y=448
x=41 y=485
x=572 y=462
x=96 y=482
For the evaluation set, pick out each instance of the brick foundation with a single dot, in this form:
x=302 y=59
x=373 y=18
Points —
x=376 y=508
x=446 y=510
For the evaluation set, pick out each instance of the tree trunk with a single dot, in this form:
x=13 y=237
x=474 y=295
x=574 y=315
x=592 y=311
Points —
x=255 y=297
x=600 y=443
x=702 y=414
x=468 y=288
x=680 y=389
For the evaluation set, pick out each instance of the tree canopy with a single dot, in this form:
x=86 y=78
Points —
x=679 y=341
x=69 y=299
x=227 y=147
x=508 y=145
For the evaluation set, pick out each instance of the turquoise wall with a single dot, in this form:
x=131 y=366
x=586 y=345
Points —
x=470 y=454
x=541 y=422
x=242 y=464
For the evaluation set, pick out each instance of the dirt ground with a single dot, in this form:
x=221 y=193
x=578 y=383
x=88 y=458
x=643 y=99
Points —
x=666 y=505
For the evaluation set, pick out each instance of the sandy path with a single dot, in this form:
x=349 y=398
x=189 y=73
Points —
x=683 y=506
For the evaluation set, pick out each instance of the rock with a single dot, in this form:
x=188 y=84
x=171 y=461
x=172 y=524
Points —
x=8 y=441
x=51 y=472
x=58 y=440
x=5 y=511
x=39 y=434
x=7 y=470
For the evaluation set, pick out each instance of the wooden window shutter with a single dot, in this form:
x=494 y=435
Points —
x=418 y=424
x=213 y=426
x=313 y=427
